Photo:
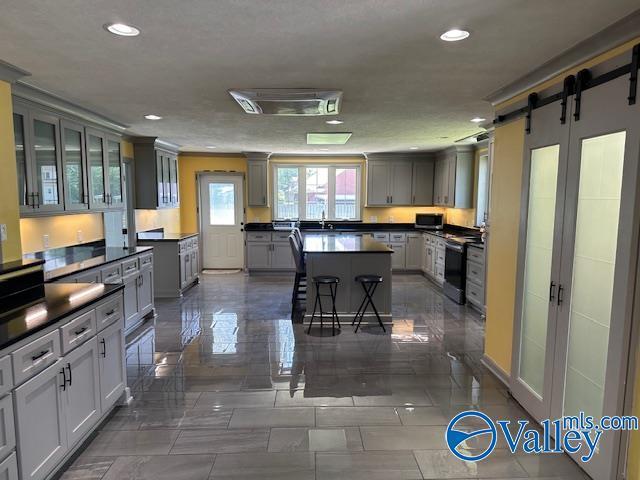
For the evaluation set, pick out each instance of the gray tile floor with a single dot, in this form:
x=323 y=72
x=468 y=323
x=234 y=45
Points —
x=226 y=387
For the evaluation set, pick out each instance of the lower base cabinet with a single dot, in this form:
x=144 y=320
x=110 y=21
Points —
x=111 y=364
x=40 y=422
x=57 y=407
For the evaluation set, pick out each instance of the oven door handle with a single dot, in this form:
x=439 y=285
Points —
x=454 y=246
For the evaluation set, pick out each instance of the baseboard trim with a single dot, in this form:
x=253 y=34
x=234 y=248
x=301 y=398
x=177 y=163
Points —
x=493 y=367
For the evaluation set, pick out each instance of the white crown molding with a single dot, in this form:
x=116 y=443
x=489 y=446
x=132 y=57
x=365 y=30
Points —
x=11 y=73
x=614 y=35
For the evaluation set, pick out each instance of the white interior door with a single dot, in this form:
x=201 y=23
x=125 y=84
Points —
x=600 y=242
x=222 y=221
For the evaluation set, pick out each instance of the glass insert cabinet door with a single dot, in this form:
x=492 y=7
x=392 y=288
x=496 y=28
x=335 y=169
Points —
x=74 y=165
x=114 y=162
x=46 y=163
x=23 y=166
x=95 y=156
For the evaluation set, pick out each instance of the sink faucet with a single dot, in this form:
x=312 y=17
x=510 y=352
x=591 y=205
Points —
x=322 y=221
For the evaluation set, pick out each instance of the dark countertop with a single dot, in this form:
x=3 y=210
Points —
x=59 y=301
x=65 y=261
x=164 y=237
x=18 y=265
x=343 y=244
x=337 y=226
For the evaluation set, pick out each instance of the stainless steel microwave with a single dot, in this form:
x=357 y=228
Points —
x=429 y=221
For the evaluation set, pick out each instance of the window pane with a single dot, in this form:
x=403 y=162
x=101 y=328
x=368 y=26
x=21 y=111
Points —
x=346 y=189
x=287 y=192
x=317 y=194
x=222 y=198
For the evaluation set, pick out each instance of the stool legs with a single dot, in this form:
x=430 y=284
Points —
x=333 y=291
x=369 y=290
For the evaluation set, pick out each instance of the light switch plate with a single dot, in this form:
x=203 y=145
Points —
x=390 y=219
x=79 y=236
x=45 y=241
x=373 y=219
x=3 y=232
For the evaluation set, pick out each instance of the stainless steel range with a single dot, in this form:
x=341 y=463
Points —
x=455 y=267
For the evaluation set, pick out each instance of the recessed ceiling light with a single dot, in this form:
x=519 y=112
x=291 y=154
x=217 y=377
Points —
x=334 y=122
x=443 y=138
x=454 y=35
x=211 y=146
x=324 y=149
x=151 y=116
x=413 y=148
x=478 y=119
x=122 y=29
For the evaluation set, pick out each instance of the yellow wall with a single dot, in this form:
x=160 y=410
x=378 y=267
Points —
x=62 y=230
x=169 y=219
x=9 y=211
x=503 y=242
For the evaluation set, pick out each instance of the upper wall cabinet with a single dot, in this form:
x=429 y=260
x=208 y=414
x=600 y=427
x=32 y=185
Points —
x=62 y=165
x=257 y=180
x=453 y=178
x=156 y=173
x=399 y=180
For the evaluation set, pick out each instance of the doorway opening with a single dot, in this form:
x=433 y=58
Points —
x=221 y=210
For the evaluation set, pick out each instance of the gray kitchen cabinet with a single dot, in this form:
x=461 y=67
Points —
x=92 y=276
x=179 y=268
x=398 y=257
x=111 y=364
x=453 y=178
x=82 y=392
x=9 y=468
x=7 y=427
x=475 y=287
x=96 y=144
x=423 y=182
x=258 y=255
x=74 y=166
x=131 y=307
x=257 y=181
x=281 y=256
x=114 y=169
x=144 y=291
x=414 y=251
x=38 y=161
x=156 y=173
x=388 y=182
x=40 y=422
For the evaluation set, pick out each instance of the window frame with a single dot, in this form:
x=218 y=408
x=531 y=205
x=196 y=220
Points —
x=331 y=192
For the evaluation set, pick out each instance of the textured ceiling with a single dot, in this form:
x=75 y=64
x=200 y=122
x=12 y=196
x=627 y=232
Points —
x=402 y=85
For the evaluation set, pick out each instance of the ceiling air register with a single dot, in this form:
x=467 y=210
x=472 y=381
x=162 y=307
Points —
x=288 y=101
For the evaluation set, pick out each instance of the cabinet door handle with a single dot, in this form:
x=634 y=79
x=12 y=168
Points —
x=38 y=199
x=391 y=199
x=64 y=379
x=104 y=348
x=560 y=294
x=80 y=331
x=264 y=200
x=110 y=312
x=414 y=199
x=69 y=368
x=39 y=356
x=552 y=291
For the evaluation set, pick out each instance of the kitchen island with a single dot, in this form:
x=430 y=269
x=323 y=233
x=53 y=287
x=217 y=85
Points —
x=347 y=256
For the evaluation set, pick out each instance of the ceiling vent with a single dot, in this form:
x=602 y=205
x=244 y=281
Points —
x=288 y=101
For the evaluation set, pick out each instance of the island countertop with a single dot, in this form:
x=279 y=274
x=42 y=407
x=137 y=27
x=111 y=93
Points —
x=343 y=244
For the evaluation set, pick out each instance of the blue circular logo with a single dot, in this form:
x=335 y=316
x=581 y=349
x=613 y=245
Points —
x=456 y=437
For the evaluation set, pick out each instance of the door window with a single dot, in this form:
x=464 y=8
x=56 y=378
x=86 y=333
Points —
x=222 y=199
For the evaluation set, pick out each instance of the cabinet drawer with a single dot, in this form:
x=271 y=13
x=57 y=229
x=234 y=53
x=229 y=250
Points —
x=35 y=356
x=7 y=428
x=398 y=237
x=89 y=277
x=427 y=239
x=146 y=261
x=194 y=242
x=129 y=267
x=6 y=375
x=280 y=236
x=109 y=312
x=440 y=255
x=439 y=272
x=476 y=254
x=475 y=273
x=440 y=243
x=381 y=236
x=78 y=330
x=258 y=236
x=475 y=293
x=9 y=468
x=111 y=274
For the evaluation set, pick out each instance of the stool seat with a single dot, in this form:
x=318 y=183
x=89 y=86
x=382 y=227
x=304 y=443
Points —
x=369 y=278
x=326 y=279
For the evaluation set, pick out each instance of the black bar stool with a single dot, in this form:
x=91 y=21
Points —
x=369 y=284
x=332 y=282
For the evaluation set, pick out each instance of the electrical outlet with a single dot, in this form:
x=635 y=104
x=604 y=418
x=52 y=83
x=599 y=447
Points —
x=79 y=236
x=256 y=219
x=390 y=219
x=45 y=241
x=3 y=232
x=373 y=219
